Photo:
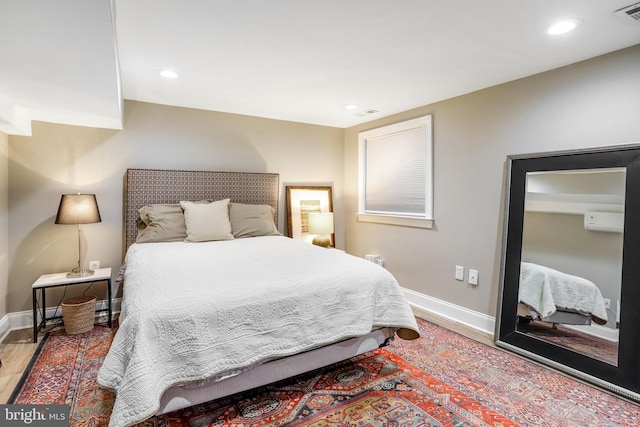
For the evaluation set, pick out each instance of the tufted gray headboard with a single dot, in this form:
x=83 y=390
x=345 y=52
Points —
x=148 y=186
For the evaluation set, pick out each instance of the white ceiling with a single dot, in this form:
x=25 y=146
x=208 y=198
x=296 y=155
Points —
x=73 y=61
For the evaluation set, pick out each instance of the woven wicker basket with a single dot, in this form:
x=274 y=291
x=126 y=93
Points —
x=78 y=314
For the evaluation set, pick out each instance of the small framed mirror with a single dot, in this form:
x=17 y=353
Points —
x=570 y=270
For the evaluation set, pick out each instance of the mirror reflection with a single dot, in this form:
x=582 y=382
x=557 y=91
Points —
x=571 y=260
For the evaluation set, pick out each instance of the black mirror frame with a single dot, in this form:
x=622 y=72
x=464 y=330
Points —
x=623 y=379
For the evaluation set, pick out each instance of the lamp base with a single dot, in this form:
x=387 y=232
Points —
x=76 y=272
x=324 y=241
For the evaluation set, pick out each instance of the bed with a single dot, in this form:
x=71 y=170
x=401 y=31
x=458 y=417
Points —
x=552 y=296
x=236 y=305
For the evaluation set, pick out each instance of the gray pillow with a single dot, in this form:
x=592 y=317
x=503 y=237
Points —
x=252 y=220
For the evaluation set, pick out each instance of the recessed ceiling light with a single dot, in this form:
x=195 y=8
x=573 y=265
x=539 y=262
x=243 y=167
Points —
x=562 y=27
x=168 y=74
x=351 y=106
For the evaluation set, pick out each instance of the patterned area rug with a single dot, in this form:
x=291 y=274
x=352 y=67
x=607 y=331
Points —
x=441 y=379
x=525 y=392
x=375 y=389
x=64 y=369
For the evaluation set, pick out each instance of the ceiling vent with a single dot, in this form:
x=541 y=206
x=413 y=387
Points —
x=366 y=112
x=630 y=13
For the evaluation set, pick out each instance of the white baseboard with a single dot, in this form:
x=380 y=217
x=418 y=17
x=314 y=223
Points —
x=473 y=319
x=483 y=322
x=599 y=331
x=24 y=319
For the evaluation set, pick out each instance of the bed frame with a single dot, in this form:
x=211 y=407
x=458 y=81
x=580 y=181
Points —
x=560 y=317
x=150 y=186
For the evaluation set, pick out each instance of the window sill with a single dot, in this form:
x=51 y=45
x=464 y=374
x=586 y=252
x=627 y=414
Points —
x=396 y=220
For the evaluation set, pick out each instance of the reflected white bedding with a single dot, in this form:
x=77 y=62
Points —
x=195 y=311
x=545 y=290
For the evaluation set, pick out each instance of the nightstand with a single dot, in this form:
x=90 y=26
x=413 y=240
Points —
x=60 y=279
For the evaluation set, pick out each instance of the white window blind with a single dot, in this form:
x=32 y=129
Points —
x=396 y=171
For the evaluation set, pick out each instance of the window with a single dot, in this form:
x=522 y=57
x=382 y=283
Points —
x=396 y=174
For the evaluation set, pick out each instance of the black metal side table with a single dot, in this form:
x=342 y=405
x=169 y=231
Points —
x=60 y=279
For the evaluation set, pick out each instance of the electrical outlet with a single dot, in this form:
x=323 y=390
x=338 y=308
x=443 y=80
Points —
x=473 y=277
x=94 y=265
x=376 y=259
x=607 y=303
x=459 y=272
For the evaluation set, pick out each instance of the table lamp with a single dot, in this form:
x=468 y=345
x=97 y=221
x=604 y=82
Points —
x=78 y=209
x=321 y=223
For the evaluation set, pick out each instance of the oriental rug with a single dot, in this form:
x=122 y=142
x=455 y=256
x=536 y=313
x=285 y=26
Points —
x=441 y=379
x=528 y=393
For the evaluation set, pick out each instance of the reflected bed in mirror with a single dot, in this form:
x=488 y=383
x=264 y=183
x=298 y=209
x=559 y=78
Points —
x=570 y=263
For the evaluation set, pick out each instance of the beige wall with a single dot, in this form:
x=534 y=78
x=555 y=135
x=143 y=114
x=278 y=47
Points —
x=59 y=159
x=588 y=104
x=560 y=241
x=4 y=222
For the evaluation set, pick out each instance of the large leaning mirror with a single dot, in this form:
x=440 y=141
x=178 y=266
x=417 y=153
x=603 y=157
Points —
x=570 y=271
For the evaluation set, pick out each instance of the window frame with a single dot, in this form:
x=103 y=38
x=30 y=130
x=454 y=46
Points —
x=419 y=220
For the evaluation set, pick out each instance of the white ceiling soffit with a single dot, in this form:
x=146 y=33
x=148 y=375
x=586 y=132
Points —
x=58 y=64
x=283 y=59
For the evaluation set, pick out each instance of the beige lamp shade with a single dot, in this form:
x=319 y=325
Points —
x=321 y=223
x=78 y=209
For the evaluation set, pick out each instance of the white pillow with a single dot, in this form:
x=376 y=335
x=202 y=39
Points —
x=206 y=222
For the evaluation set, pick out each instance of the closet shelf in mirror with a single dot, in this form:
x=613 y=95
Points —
x=577 y=204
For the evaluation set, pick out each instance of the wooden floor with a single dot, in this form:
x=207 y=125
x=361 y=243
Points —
x=17 y=349
x=15 y=352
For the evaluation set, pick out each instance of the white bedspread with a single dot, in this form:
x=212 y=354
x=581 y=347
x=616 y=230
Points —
x=193 y=311
x=543 y=289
